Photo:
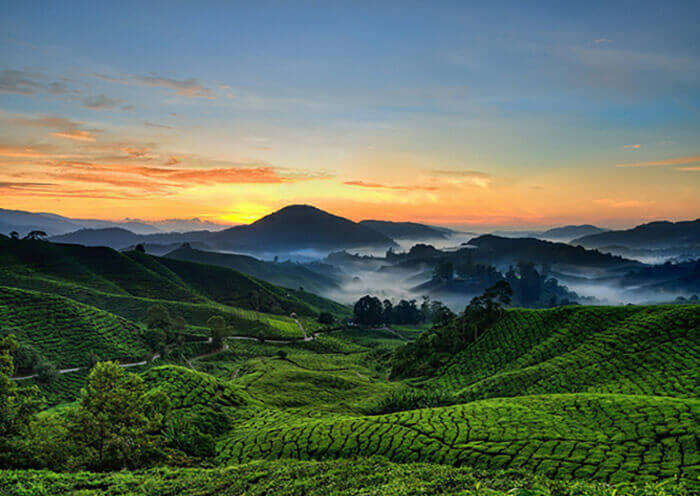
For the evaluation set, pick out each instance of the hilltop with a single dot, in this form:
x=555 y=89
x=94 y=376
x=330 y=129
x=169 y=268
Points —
x=296 y=227
x=286 y=274
x=654 y=235
x=408 y=230
x=299 y=227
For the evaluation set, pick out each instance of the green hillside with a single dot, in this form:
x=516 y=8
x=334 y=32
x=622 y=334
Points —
x=26 y=263
x=66 y=332
x=286 y=274
x=566 y=399
x=360 y=476
x=629 y=350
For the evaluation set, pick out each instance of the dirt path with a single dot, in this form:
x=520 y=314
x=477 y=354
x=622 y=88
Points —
x=204 y=355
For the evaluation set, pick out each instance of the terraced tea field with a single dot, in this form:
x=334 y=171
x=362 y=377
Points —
x=566 y=401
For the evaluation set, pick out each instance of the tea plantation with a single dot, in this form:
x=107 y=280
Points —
x=575 y=400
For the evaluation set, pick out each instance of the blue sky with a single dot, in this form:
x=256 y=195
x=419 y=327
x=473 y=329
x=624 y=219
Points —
x=498 y=114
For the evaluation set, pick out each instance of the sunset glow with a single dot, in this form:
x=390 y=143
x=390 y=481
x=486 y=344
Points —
x=474 y=121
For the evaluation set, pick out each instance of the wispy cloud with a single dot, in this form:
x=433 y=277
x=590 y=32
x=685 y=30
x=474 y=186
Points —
x=160 y=126
x=75 y=135
x=632 y=147
x=614 y=203
x=64 y=128
x=101 y=102
x=20 y=152
x=190 y=88
x=670 y=161
x=364 y=184
x=29 y=82
x=688 y=169
x=476 y=178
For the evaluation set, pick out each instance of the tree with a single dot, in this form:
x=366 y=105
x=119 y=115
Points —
x=46 y=372
x=368 y=311
x=116 y=421
x=217 y=330
x=158 y=317
x=484 y=310
x=326 y=318
x=140 y=248
x=14 y=235
x=444 y=271
x=34 y=235
x=17 y=406
x=388 y=312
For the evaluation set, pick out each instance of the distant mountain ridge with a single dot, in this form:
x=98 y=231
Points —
x=286 y=274
x=54 y=224
x=661 y=234
x=563 y=233
x=407 y=230
x=296 y=227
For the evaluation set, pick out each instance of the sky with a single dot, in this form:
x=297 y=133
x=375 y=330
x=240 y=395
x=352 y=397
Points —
x=497 y=114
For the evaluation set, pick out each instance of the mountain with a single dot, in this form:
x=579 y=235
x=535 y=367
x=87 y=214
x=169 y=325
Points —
x=287 y=274
x=298 y=227
x=24 y=222
x=117 y=281
x=135 y=227
x=407 y=230
x=563 y=233
x=654 y=235
x=567 y=233
x=120 y=238
x=114 y=237
x=53 y=224
x=512 y=250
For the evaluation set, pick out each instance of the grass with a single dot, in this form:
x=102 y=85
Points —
x=66 y=332
x=362 y=476
x=611 y=438
x=565 y=401
x=646 y=350
x=144 y=276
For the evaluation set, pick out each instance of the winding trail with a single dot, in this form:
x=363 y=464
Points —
x=204 y=355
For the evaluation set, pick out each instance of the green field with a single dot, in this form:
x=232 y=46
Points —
x=570 y=400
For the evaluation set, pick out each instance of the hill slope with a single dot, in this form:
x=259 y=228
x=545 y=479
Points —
x=66 y=332
x=651 y=235
x=512 y=250
x=30 y=264
x=287 y=274
x=407 y=230
x=298 y=227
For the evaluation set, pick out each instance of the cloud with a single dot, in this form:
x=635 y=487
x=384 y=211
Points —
x=55 y=190
x=20 y=152
x=634 y=147
x=65 y=128
x=75 y=135
x=364 y=184
x=172 y=161
x=171 y=177
x=613 y=203
x=671 y=161
x=190 y=88
x=602 y=41
x=29 y=83
x=101 y=102
x=153 y=124
x=477 y=178
x=688 y=169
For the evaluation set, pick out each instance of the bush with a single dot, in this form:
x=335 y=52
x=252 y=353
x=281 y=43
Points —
x=46 y=372
x=326 y=318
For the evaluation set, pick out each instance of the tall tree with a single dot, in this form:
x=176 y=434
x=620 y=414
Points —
x=368 y=311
